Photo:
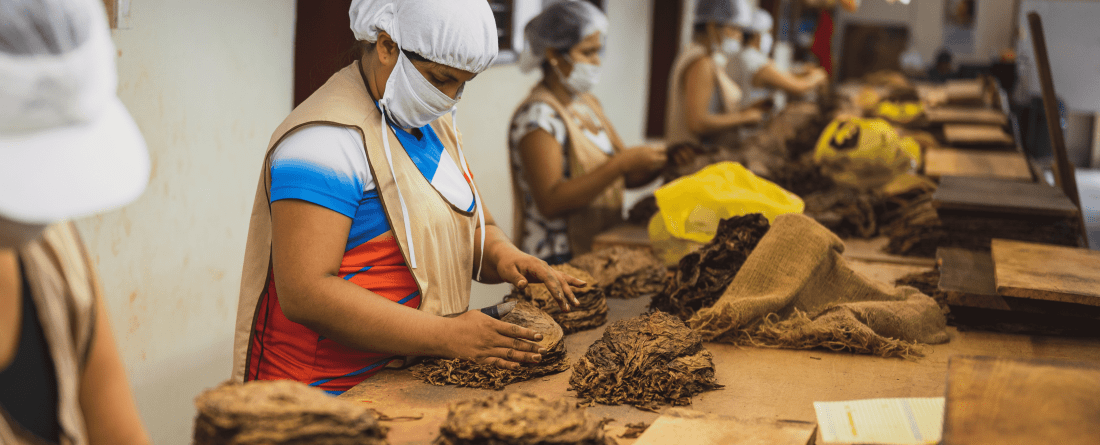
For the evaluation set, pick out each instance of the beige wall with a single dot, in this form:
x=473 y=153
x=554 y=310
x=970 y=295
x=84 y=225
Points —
x=207 y=83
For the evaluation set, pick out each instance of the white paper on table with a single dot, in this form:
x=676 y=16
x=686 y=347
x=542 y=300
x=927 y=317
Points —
x=881 y=421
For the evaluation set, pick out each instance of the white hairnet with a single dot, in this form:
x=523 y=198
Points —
x=68 y=147
x=761 y=21
x=725 y=12
x=458 y=33
x=560 y=26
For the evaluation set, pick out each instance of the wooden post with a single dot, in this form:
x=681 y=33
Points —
x=1064 y=174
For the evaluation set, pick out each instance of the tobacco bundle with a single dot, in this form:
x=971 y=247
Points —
x=466 y=373
x=645 y=361
x=591 y=313
x=520 y=419
x=282 y=411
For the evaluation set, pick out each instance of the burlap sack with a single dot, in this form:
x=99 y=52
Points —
x=796 y=291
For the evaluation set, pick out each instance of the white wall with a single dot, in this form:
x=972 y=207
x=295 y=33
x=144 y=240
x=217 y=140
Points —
x=207 y=81
x=489 y=101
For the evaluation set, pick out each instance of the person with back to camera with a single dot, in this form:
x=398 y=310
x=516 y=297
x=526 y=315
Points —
x=68 y=149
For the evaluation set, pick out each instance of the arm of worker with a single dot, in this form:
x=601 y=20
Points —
x=504 y=262
x=110 y=414
x=307 y=246
x=699 y=85
x=554 y=194
x=771 y=77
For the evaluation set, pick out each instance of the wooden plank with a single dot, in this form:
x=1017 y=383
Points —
x=705 y=429
x=625 y=235
x=940 y=161
x=971 y=134
x=1047 y=272
x=965 y=115
x=999 y=195
x=966 y=276
x=966 y=91
x=870 y=250
x=1013 y=401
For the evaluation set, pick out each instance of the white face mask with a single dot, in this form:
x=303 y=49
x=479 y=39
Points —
x=583 y=77
x=14 y=235
x=410 y=100
x=766 y=42
x=731 y=46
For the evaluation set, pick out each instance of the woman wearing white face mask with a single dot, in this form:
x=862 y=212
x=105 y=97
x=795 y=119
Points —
x=755 y=72
x=704 y=104
x=569 y=167
x=68 y=149
x=367 y=225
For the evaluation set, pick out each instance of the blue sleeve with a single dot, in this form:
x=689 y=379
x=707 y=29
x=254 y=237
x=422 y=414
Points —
x=323 y=165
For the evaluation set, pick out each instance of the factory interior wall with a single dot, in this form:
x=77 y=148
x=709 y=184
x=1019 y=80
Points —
x=207 y=83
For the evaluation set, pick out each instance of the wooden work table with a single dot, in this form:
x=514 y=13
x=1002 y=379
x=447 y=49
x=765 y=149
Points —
x=759 y=383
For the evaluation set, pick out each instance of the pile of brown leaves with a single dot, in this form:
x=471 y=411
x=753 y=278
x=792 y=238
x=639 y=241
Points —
x=520 y=419
x=703 y=275
x=466 y=373
x=282 y=411
x=591 y=313
x=624 y=272
x=645 y=361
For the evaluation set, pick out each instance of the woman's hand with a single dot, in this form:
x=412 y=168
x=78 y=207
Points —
x=521 y=269
x=644 y=159
x=483 y=339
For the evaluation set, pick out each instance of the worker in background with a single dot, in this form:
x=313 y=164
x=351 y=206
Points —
x=367 y=227
x=569 y=166
x=757 y=74
x=68 y=148
x=704 y=104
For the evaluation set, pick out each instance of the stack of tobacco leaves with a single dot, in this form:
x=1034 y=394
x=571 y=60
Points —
x=916 y=228
x=847 y=211
x=463 y=372
x=520 y=419
x=645 y=361
x=624 y=272
x=703 y=275
x=282 y=412
x=591 y=313
x=929 y=284
x=642 y=211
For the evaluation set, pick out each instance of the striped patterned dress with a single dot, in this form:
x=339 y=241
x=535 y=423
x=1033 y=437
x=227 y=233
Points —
x=327 y=166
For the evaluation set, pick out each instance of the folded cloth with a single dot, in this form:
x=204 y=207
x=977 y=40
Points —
x=796 y=291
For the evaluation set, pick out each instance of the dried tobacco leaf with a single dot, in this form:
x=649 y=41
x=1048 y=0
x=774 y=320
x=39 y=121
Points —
x=624 y=272
x=645 y=361
x=645 y=282
x=634 y=430
x=591 y=313
x=282 y=411
x=466 y=373
x=520 y=419
x=703 y=275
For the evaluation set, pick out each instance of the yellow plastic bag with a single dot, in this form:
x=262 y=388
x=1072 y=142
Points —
x=865 y=153
x=692 y=206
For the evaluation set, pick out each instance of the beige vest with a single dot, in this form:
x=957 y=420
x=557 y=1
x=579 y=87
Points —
x=65 y=288
x=729 y=95
x=602 y=213
x=443 y=235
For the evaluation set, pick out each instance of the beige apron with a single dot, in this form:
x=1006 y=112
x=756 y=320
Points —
x=729 y=96
x=443 y=234
x=65 y=288
x=605 y=211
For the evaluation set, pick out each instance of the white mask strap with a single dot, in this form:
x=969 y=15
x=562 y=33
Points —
x=400 y=197
x=477 y=196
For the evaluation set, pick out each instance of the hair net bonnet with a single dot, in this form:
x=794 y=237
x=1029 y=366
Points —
x=561 y=26
x=458 y=33
x=761 y=21
x=726 y=12
x=68 y=146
